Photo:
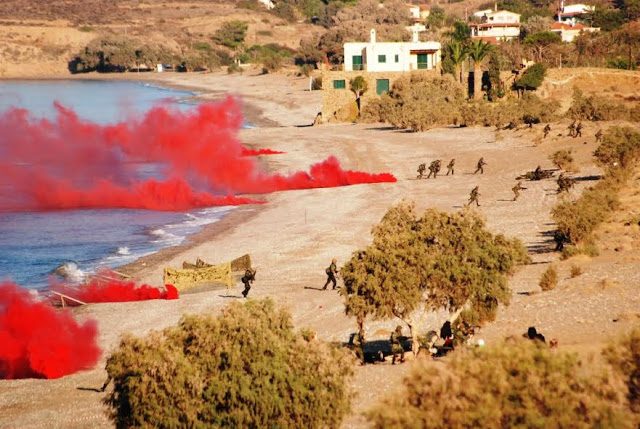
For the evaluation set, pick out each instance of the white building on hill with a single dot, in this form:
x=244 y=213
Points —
x=568 y=32
x=376 y=56
x=571 y=12
x=497 y=26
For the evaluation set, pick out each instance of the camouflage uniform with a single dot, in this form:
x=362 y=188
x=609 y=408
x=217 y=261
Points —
x=331 y=275
x=247 y=279
x=516 y=190
x=564 y=183
x=599 y=136
x=546 y=130
x=396 y=346
x=578 y=130
x=450 y=166
x=572 y=128
x=474 y=196
x=480 y=166
x=421 y=168
x=559 y=238
x=434 y=168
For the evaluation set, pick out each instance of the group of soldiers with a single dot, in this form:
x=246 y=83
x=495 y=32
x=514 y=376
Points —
x=436 y=166
x=575 y=131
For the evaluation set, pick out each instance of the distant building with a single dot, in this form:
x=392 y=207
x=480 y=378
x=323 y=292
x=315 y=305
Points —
x=497 y=26
x=481 y=13
x=414 y=11
x=573 y=12
x=269 y=4
x=376 y=56
x=568 y=32
x=380 y=64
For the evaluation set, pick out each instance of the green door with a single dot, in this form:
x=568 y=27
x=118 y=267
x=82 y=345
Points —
x=382 y=86
x=422 y=61
x=357 y=62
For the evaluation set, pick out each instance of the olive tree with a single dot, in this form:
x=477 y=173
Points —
x=435 y=261
x=244 y=368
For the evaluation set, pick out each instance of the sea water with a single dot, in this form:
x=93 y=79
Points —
x=33 y=244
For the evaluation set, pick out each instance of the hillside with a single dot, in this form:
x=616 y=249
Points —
x=40 y=38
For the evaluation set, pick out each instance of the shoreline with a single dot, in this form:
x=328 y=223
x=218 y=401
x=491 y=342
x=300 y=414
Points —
x=252 y=114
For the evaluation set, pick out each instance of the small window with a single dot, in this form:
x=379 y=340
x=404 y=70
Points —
x=382 y=58
x=339 y=84
x=397 y=58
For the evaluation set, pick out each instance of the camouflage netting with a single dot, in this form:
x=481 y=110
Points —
x=202 y=273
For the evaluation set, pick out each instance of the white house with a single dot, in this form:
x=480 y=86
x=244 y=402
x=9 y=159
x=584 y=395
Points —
x=497 y=26
x=481 y=13
x=569 y=31
x=268 y=4
x=571 y=12
x=376 y=56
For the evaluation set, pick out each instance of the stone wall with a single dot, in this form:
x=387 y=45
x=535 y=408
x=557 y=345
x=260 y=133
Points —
x=338 y=104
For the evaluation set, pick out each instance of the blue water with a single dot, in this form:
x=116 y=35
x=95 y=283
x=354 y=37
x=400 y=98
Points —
x=32 y=244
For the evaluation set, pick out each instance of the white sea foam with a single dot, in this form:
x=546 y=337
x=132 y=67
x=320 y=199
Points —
x=124 y=250
x=70 y=271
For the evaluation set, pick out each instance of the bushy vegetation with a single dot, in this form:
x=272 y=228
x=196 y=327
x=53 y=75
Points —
x=231 y=34
x=244 y=368
x=421 y=101
x=438 y=261
x=418 y=102
x=598 y=108
x=563 y=159
x=549 y=279
x=625 y=358
x=521 y=384
x=575 y=271
x=531 y=79
x=578 y=219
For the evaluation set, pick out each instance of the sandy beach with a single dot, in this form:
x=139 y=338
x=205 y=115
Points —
x=293 y=237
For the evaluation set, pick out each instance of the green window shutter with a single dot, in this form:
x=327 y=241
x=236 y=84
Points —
x=357 y=62
x=382 y=58
x=422 y=61
x=339 y=84
x=397 y=58
x=382 y=86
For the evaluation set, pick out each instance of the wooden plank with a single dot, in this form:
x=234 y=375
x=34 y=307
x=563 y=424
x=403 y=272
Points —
x=62 y=296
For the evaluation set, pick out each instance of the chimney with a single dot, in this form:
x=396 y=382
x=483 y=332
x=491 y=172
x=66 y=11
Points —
x=373 y=36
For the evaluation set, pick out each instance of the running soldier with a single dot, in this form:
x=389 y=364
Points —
x=396 y=345
x=599 y=136
x=564 y=183
x=248 y=278
x=546 y=131
x=572 y=128
x=421 y=169
x=450 y=166
x=434 y=168
x=331 y=271
x=516 y=190
x=480 y=166
x=578 y=130
x=474 y=196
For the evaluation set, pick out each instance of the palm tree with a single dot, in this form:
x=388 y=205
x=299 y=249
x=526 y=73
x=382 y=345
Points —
x=457 y=53
x=478 y=51
x=358 y=86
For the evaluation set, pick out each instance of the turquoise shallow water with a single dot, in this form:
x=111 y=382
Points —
x=33 y=244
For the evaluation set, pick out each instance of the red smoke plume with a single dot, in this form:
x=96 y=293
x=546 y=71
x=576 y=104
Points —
x=37 y=341
x=116 y=291
x=72 y=163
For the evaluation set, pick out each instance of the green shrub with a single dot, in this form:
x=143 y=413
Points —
x=231 y=34
x=620 y=147
x=625 y=358
x=531 y=79
x=549 y=279
x=244 y=368
x=306 y=70
x=85 y=29
x=510 y=385
x=272 y=63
